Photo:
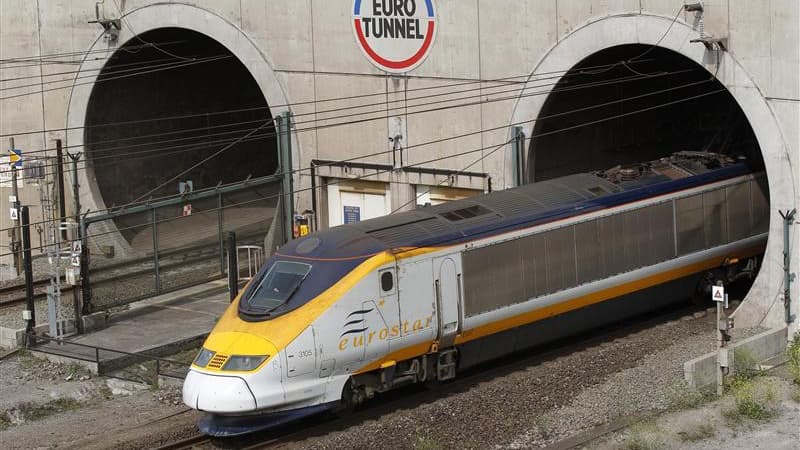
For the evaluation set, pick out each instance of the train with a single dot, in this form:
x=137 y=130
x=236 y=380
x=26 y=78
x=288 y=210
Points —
x=345 y=313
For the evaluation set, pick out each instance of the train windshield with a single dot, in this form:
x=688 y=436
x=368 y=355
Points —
x=278 y=285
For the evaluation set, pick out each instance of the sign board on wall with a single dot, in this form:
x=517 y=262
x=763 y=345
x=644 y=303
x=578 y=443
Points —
x=395 y=35
x=5 y=172
x=351 y=214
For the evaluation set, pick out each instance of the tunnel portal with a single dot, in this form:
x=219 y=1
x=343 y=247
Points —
x=157 y=110
x=571 y=135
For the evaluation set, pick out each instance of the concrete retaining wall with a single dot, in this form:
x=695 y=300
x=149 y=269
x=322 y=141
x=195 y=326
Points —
x=701 y=372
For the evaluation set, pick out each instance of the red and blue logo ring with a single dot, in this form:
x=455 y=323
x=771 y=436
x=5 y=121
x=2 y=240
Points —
x=393 y=64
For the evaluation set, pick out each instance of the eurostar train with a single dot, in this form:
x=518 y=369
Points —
x=342 y=314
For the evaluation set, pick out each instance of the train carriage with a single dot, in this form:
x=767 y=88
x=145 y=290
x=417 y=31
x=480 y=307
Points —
x=344 y=313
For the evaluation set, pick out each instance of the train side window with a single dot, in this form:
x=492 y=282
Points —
x=387 y=281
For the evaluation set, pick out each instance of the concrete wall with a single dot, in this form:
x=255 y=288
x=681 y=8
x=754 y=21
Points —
x=304 y=50
x=701 y=372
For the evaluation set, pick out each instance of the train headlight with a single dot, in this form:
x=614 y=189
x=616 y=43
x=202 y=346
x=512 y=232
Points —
x=243 y=363
x=203 y=357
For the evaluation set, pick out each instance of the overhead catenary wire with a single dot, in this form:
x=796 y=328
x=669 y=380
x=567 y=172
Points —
x=136 y=70
x=527 y=78
x=492 y=149
x=613 y=117
x=466 y=134
x=127 y=48
x=175 y=66
x=489 y=99
x=138 y=37
x=485 y=130
x=110 y=69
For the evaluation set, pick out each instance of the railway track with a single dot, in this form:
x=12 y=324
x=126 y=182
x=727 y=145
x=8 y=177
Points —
x=11 y=296
x=14 y=295
x=416 y=395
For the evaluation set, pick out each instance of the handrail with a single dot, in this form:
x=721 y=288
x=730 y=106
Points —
x=180 y=199
x=32 y=337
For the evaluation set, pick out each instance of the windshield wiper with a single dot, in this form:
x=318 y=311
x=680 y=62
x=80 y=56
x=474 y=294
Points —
x=288 y=297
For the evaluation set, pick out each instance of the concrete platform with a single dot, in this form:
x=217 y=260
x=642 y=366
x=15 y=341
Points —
x=160 y=326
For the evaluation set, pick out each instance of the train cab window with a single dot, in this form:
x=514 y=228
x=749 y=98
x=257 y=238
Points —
x=387 y=281
x=278 y=285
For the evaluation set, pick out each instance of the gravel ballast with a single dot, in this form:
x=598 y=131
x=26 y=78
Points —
x=544 y=401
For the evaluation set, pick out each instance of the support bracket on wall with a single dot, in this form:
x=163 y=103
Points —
x=712 y=43
x=112 y=27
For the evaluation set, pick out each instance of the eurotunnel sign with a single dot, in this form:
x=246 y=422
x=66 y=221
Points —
x=394 y=35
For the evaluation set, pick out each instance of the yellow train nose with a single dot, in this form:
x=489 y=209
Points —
x=229 y=344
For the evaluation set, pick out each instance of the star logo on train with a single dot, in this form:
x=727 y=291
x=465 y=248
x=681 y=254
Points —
x=355 y=322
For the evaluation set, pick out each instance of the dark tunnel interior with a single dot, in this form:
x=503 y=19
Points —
x=571 y=135
x=208 y=99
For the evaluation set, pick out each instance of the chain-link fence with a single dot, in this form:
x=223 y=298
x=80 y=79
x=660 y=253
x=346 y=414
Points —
x=172 y=245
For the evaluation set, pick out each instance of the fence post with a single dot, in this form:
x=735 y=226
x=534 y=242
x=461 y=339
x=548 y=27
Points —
x=517 y=149
x=221 y=234
x=62 y=203
x=30 y=314
x=233 y=267
x=155 y=251
x=86 y=287
x=285 y=162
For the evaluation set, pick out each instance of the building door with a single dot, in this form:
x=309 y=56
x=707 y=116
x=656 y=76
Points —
x=351 y=205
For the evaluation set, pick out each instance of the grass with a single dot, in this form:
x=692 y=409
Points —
x=643 y=437
x=32 y=411
x=754 y=399
x=796 y=394
x=745 y=365
x=5 y=421
x=793 y=352
x=683 y=396
x=421 y=442
x=697 y=432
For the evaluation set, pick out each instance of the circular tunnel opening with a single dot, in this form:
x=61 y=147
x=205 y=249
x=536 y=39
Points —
x=635 y=103
x=173 y=105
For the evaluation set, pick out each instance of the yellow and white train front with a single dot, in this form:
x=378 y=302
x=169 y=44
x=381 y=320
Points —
x=274 y=355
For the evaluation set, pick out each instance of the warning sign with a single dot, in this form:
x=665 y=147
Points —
x=15 y=158
x=75 y=261
x=718 y=293
x=394 y=35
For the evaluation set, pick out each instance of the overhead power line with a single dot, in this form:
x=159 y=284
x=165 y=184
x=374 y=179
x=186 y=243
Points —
x=492 y=149
x=251 y=136
x=520 y=79
x=109 y=50
x=401 y=107
x=560 y=130
x=175 y=66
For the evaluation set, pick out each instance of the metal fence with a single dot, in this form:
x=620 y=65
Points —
x=131 y=366
x=169 y=245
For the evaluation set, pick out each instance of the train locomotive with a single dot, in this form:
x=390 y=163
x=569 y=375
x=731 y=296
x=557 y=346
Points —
x=344 y=313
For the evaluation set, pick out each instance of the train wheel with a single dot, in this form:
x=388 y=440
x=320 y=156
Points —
x=352 y=397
